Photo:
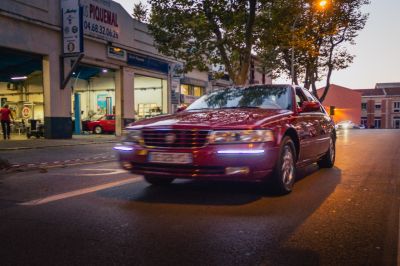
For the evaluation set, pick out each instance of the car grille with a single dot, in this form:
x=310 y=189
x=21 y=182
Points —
x=175 y=138
x=179 y=170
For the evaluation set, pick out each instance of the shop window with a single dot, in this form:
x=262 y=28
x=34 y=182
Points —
x=396 y=107
x=364 y=106
x=150 y=96
x=192 y=90
x=185 y=89
x=198 y=91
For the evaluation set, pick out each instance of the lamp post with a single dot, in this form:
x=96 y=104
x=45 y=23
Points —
x=321 y=5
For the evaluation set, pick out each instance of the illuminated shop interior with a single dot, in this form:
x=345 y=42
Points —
x=21 y=87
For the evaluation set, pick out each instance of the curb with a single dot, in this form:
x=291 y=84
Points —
x=57 y=164
x=54 y=146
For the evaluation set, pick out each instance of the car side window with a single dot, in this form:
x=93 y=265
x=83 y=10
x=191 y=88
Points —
x=300 y=98
x=311 y=98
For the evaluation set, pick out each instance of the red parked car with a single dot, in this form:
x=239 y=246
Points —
x=103 y=124
x=256 y=133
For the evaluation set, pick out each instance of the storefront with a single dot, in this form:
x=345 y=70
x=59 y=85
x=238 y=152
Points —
x=96 y=89
x=150 y=96
x=83 y=59
x=150 y=85
x=21 y=87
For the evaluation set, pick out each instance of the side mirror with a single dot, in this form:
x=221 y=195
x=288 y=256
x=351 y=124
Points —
x=310 y=107
x=181 y=108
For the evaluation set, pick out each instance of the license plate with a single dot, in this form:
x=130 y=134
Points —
x=170 y=157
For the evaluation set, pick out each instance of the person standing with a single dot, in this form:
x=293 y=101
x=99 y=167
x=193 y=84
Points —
x=5 y=117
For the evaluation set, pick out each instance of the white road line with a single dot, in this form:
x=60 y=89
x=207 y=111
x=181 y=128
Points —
x=79 y=192
x=108 y=172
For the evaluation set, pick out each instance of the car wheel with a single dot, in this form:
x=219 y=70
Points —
x=328 y=160
x=285 y=169
x=98 y=130
x=158 y=181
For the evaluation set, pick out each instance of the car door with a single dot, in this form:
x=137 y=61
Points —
x=305 y=125
x=321 y=123
x=109 y=123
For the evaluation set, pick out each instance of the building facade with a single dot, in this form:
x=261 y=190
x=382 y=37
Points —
x=117 y=71
x=344 y=101
x=380 y=107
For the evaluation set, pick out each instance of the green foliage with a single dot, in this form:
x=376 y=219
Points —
x=227 y=32
x=207 y=32
x=139 y=12
x=317 y=38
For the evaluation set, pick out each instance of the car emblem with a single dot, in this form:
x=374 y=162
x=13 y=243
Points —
x=170 y=138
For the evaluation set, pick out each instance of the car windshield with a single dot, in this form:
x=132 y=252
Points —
x=266 y=97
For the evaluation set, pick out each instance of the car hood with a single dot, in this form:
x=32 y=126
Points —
x=212 y=119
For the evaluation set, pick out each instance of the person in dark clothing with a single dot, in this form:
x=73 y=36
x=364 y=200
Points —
x=5 y=117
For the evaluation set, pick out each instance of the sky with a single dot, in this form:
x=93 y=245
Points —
x=377 y=48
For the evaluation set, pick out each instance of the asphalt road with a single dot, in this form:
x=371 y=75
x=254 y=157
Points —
x=99 y=215
x=62 y=153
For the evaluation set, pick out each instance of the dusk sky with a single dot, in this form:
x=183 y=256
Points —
x=377 y=47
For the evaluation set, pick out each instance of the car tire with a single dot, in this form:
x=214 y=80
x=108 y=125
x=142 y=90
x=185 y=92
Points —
x=328 y=160
x=158 y=181
x=285 y=169
x=97 y=130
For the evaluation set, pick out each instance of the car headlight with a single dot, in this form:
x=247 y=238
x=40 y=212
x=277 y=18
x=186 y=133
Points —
x=133 y=136
x=240 y=136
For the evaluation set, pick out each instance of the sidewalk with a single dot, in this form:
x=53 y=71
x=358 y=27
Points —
x=30 y=154
x=21 y=143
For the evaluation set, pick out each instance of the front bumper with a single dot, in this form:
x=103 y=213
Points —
x=239 y=162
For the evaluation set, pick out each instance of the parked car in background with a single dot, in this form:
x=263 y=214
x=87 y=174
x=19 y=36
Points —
x=346 y=125
x=102 y=125
x=258 y=133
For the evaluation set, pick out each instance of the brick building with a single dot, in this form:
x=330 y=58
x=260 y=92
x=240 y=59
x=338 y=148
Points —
x=380 y=107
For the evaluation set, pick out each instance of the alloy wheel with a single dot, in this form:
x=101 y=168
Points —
x=287 y=166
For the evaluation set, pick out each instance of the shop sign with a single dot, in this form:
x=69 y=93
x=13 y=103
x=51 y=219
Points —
x=175 y=97
x=193 y=81
x=177 y=70
x=116 y=53
x=147 y=62
x=100 y=19
x=72 y=27
x=175 y=84
x=26 y=112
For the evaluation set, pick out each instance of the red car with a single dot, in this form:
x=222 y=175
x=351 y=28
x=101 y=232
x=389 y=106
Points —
x=103 y=124
x=256 y=133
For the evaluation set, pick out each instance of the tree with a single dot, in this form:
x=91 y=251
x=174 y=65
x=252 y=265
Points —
x=315 y=36
x=140 y=12
x=206 y=32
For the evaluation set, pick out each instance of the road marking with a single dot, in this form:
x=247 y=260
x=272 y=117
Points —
x=79 y=192
x=110 y=172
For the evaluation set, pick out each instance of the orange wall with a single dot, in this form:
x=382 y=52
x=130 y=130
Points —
x=347 y=103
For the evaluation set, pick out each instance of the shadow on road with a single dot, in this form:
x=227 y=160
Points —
x=187 y=210
x=223 y=193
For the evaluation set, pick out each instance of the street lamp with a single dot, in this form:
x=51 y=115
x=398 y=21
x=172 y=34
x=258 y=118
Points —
x=322 y=5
